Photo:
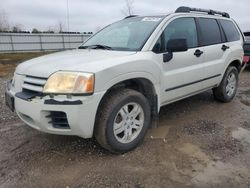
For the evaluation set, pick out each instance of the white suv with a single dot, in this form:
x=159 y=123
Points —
x=113 y=86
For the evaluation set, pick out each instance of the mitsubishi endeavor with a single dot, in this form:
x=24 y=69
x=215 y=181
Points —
x=113 y=86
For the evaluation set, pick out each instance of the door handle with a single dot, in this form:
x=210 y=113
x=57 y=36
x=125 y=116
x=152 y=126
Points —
x=224 y=47
x=198 y=53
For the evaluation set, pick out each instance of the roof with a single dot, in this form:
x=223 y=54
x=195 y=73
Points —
x=191 y=10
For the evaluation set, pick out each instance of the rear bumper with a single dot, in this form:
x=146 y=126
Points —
x=246 y=59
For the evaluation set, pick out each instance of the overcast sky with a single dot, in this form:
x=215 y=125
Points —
x=93 y=14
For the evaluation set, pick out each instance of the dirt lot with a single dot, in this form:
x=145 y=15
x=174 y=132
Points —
x=199 y=143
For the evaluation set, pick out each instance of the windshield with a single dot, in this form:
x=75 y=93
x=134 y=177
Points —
x=127 y=35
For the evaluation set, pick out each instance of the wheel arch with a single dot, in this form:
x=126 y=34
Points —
x=237 y=63
x=234 y=62
x=142 y=85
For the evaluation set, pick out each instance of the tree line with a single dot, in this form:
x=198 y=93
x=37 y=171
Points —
x=5 y=26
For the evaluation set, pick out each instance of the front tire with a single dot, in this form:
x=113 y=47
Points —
x=227 y=89
x=122 y=120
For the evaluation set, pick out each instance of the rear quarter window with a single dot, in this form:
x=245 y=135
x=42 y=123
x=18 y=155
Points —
x=230 y=30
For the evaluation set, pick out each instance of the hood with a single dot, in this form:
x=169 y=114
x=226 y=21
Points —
x=82 y=60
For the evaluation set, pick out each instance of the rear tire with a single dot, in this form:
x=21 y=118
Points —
x=122 y=120
x=227 y=89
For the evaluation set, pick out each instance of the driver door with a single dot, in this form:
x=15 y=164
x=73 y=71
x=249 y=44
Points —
x=183 y=74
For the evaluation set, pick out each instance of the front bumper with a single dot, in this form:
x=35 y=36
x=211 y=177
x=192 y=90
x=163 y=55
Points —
x=80 y=112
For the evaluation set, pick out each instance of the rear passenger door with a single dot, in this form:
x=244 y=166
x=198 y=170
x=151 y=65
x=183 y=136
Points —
x=216 y=50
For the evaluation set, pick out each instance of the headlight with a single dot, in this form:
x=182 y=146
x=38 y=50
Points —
x=70 y=83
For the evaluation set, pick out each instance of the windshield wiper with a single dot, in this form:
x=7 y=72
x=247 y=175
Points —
x=96 y=46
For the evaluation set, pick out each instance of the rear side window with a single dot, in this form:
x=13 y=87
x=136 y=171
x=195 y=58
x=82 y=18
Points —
x=210 y=31
x=230 y=30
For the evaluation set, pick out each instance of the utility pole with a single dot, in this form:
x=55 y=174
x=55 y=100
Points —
x=68 y=21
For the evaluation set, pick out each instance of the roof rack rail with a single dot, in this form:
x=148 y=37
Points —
x=130 y=16
x=209 y=11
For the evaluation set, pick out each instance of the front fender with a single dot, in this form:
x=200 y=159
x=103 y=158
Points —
x=134 y=75
x=128 y=76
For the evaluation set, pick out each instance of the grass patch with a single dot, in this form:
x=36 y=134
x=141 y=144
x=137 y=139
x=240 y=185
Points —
x=19 y=57
x=9 y=61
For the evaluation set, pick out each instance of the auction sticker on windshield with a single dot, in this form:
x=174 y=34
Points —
x=151 y=19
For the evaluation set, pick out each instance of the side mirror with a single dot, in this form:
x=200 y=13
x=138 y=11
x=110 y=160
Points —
x=174 y=45
x=177 y=45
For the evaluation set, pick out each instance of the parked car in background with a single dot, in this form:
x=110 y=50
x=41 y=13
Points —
x=114 y=85
x=247 y=36
x=247 y=47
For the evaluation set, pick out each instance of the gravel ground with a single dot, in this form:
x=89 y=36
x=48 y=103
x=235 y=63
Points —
x=6 y=114
x=199 y=143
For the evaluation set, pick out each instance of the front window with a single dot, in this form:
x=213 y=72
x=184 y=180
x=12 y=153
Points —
x=127 y=35
x=180 y=28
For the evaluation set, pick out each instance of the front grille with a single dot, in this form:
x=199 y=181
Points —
x=58 y=120
x=33 y=84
